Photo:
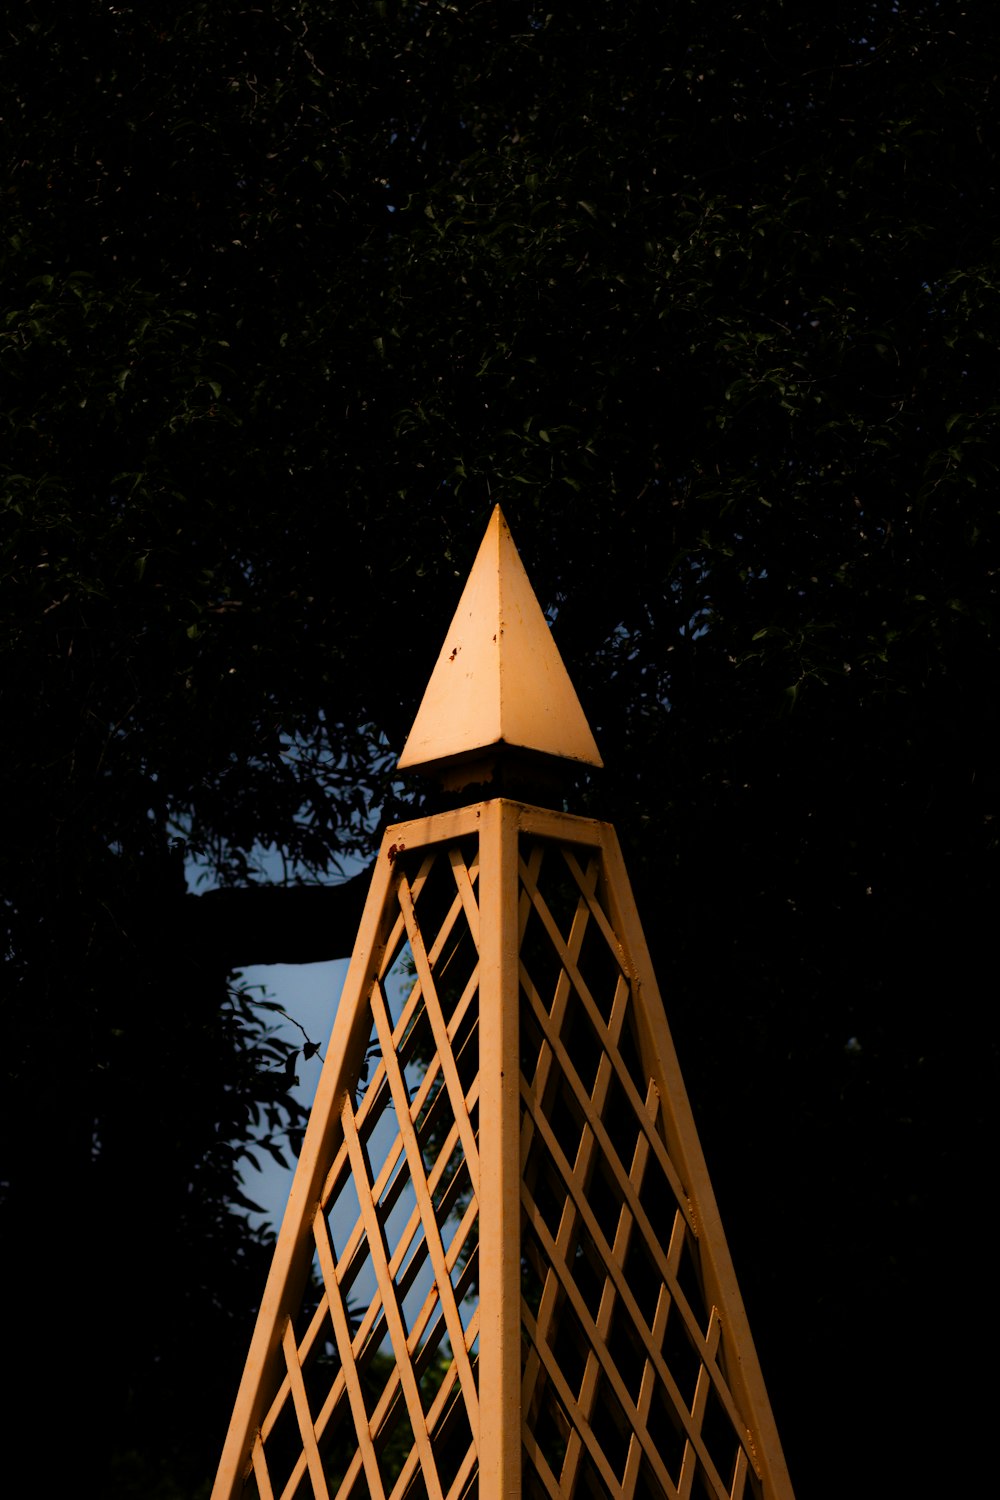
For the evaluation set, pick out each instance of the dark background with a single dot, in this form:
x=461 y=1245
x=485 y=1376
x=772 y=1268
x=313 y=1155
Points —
x=707 y=296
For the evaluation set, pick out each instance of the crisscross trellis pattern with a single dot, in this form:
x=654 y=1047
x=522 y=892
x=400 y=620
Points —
x=379 y=1396
x=624 y=1389
x=519 y=1281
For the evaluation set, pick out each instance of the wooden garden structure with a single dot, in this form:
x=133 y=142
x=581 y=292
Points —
x=501 y=1271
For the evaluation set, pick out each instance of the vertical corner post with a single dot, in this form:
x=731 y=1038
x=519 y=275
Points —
x=499 y=1156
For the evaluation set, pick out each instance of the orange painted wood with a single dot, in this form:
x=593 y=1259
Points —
x=463 y=1227
x=499 y=679
x=500 y=1210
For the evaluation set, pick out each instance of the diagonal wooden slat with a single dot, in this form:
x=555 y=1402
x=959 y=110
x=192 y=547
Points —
x=369 y=1322
x=580 y=1419
x=605 y=1312
x=586 y=880
x=377 y=1083
x=391 y=1181
x=690 y=1462
x=536 y=855
x=625 y=1292
x=464 y=877
x=386 y=1400
x=544 y=1058
x=449 y=1423
x=432 y=1232
x=582 y=1097
x=440 y=1033
x=345 y=1350
x=409 y=1468
x=394 y=1319
x=464 y=901
x=740 y=1476
x=598 y=1023
x=597 y=911
x=540 y=1083
x=647 y=1384
x=396 y=935
x=610 y=1155
x=284 y=1390
x=467 y=1468
x=568 y=1400
x=564 y=990
x=582 y=1166
x=433 y=1179
x=309 y=1445
x=430 y=1104
x=540 y=1462
x=353 y=1248
x=260 y=1472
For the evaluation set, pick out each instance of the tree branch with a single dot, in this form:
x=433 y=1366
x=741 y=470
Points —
x=272 y=924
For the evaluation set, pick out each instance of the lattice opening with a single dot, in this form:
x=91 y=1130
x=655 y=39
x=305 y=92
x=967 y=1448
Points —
x=415 y=1489
x=627 y=1352
x=320 y=1366
x=681 y=1357
x=689 y=1280
x=589 y=1480
x=357 y=1490
x=670 y=1437
x=610 y=1425
x=647 y=1486
x=533 y=1272
x=644 y=1277
x=704 y=1488
x=545 y=1184
x=599 y=965
x=549 y=1429
x=660 y=1206
x=722 y=1445
x=394 y=1441
x=452 y=1437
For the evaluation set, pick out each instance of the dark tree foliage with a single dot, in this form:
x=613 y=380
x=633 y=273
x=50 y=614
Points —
x=707 y=294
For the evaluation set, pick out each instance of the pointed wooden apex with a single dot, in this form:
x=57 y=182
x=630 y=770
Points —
x=499 y=682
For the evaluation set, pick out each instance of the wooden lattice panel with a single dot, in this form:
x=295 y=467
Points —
x=501 y=1271
x=624 y=1388
x=379 y=1393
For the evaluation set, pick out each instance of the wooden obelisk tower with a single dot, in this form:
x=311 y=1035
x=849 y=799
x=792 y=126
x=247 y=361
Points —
x=501 y=1272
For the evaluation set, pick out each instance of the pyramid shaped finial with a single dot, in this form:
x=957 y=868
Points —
x=499 y=682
